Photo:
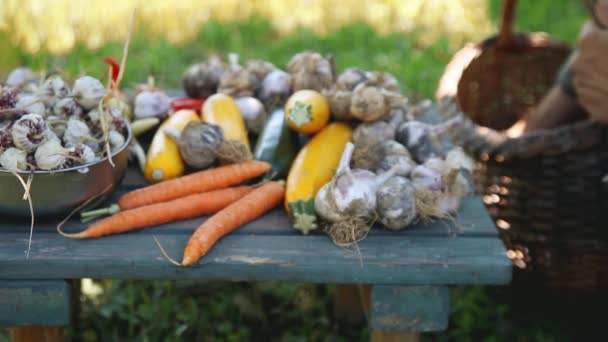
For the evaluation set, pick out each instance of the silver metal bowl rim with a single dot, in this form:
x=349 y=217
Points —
x=76 y=168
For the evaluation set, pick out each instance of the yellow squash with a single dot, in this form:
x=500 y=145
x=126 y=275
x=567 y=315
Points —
x=163 y=160
x=307 y=111
x=313 y=167
x=222 y=110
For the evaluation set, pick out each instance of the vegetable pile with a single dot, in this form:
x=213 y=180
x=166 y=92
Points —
x=47 y=125
x=343 y=152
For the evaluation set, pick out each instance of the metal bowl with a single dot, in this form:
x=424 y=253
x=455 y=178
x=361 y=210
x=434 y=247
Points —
x=61 y=191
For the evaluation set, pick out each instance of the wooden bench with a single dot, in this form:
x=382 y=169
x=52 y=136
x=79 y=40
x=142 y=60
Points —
x=407 y=273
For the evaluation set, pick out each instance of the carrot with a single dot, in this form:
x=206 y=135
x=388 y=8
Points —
x=251 y=206
x=202 y=181
x=159 y=213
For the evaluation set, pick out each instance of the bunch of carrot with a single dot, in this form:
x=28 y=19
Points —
x=213 y=191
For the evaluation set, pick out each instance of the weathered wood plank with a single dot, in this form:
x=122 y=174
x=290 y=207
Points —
x=410 y=308
x=34 y=302
x=472 y=220
x=403 y=260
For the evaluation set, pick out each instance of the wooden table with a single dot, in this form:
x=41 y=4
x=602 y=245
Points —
x=408 y=272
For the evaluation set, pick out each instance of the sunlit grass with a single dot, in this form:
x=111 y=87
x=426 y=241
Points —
x=57 y=26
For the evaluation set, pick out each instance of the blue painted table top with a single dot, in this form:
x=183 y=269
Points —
x=466 y=251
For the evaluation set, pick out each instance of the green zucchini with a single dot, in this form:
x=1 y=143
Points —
x=277 y=144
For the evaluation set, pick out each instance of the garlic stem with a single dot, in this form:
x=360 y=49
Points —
x=344 y=164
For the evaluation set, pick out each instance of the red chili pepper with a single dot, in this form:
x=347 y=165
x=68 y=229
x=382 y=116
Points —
x=187 y=103
x=115 y=67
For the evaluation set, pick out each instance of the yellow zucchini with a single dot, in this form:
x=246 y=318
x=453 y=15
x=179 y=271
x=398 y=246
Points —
x=313 y=167
x=221 y=109
x=163 y=160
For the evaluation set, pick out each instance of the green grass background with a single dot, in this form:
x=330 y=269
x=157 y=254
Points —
x=217 y=311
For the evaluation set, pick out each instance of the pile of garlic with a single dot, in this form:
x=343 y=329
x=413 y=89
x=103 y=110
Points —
x=399 y=175
x=48 y=125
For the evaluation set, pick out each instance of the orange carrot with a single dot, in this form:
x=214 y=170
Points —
x=159 y=213
x=202 y=181
x=251 y=206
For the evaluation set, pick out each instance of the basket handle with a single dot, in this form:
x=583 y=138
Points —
x=505 y=38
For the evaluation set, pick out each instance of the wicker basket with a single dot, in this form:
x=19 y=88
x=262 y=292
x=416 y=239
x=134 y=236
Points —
x=544 y=190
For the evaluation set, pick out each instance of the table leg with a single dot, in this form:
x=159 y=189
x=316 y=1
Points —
x=36 y=334
x=35 y=310
x=393 y=336
x=398 y=313
x=351 y=303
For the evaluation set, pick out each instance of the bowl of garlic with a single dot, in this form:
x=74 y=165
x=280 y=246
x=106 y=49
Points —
x=60 y=146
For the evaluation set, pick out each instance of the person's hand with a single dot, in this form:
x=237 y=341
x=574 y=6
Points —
x=590 y=67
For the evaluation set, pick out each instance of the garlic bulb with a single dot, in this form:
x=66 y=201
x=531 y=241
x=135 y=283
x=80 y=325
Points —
x=66 y=108
x=437 y=164
x=116 y=139
x=50 y=155
x=201 y=80
x=88 y=91
x=8 y=97
x=426 y=178
x=402 y=164
x=339 y=103
x=76 y=132
x=393 y=148
x=14 y=159
x=458 y=159
x=350 y=78
x=383 y=80
x=309 y=70
x=93 y=116
x=418 y=137
x=351 y=192
x=153 y=103
x=55 y=86
x=260 y=68
x=56 y=125
x=368 y=103
x=30 y=104
x=19 y=77
x=396 y=203
x=371 y=133
x=6 y=138
x=29 y=131
x=253 y=112
x=83 y=152
x=275 y=88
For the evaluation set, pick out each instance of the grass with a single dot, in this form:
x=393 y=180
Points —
x=175 y=311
